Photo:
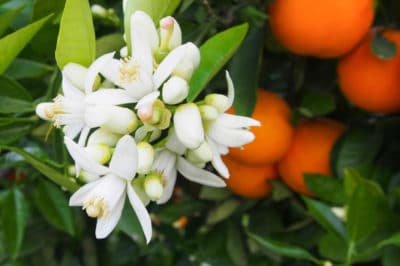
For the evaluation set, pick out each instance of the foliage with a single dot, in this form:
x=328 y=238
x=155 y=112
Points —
x=354 y=218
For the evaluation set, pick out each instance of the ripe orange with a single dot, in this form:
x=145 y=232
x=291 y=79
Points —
x=371 y=83
x=325 y=28
x=249 y=181
x=309 y=152
x=273 y=137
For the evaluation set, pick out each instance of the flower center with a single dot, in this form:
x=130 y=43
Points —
x=96 y=207
x=128 y=70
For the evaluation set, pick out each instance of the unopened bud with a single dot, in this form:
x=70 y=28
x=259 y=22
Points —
x=202 y=154
x=219 y=101
x=327 y=263
x=116 y=119
x=145 y=157
x=101 y=153
x=170 y=33
x=340 y=212
x=145 y=113
x=99 y=11
x=188 y=125
x=153 y=186
x=45 y=111
x=208 y=112
x=137 y=185
x=189 y=62
x=76 y=74
x=175 y=90
x=103 y=136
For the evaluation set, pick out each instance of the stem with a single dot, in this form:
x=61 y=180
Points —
x=350 y=251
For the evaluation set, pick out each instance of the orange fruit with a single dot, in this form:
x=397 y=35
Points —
x=309 y=152
x=273 y=137
x=371 y=83
x=326 y=28
x=249 y=181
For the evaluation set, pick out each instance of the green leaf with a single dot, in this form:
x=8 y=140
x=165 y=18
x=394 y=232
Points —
x=76 y=41
x=53 y=205
x=43 y=7
x=333 y=247
x=283 y=249
x=245 y=69
x=324 y=216
x=46 y=170
x=326 y=188
x=7 y=17
x=222 y=211
x=156 y=9
x=13 y=220
x=10 y=134
x=382 y=47
x=212 y=193
x=391 y=257
x=351 y=149
x=12 y=89
x=317 y=104
x=23 y=68
x=10 y=105
x=234 y=245
x=109 y=43
x=393 y=240
x=12 y=44
x=129 y=224
x=215 y=52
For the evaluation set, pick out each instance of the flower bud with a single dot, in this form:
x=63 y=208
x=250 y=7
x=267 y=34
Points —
x=101 y=153
x=327 y=263
x=103 y=136
x=175 y=90
x=170 y=33
x=184 y=70
x=76 y=74
x=341 y=213
x=189 y=63
x=145 y=157
x=98 y=10
x=208 y=112
x=188 y=125
x=153 y=186
x=45 y=111
x=219 y=101
x=202 y=154
x=137 y=185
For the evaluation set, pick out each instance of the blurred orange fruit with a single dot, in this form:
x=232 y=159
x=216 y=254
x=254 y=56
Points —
x=326 y=29
x=249 y=181
x=371 y=83
x=273 y=137
x=309 y=152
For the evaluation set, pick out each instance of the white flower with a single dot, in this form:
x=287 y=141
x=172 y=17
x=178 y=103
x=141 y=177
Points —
x=226 y=130
x=79 y=108
x=175 y=90
x=188 y=125
x=104 y=198
x=169 y=163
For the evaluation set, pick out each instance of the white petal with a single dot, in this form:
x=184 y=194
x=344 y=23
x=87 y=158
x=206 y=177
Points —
x=70 y=90
x=175 y=90
x=188 y=125
x=95 y=69
x=96 y=115
x=82 y=193
x=143 y=35
x=72 y=130
x=125 y=158
x=103 y=136
x=105 y=225
x=141 y=213
x=83 y=159
x=165 y=163
x=111 y=72
x=143 y=22
x=236 y=121
x=168 y=65
x=170 y=179
x=230 y=137
x=42 y=110
x=147 y=100
x=174 y=144
x=231 y=90
x=217 y=162
x=110 y=96
x=195 y=174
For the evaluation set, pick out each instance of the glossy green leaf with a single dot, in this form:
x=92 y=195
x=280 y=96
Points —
x=10 y=134
x=393 y=240
x=129 y=224
x=317 y=104
x=12 y=89
x=212 y=193
x=12 y=44
x=215 y=53
x=351 y=149
x=325 y=217
x=53 y=205
x=23 y=68
x=235 y=245
x=13 y=220
x=109 y=43
x=46 y=170
x=43 y=7
x=244 y=70
x=326 y=188
x=76 y=40
x=10 y=105
x=155 y=8
x=391 y=257
x=283 y=249
x=7 y=17
x=222 y=211
x=333 y=247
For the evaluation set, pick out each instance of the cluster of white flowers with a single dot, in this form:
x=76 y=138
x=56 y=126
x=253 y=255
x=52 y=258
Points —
x=133 y=129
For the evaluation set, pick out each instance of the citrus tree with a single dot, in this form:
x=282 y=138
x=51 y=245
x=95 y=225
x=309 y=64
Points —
x=254 y=132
